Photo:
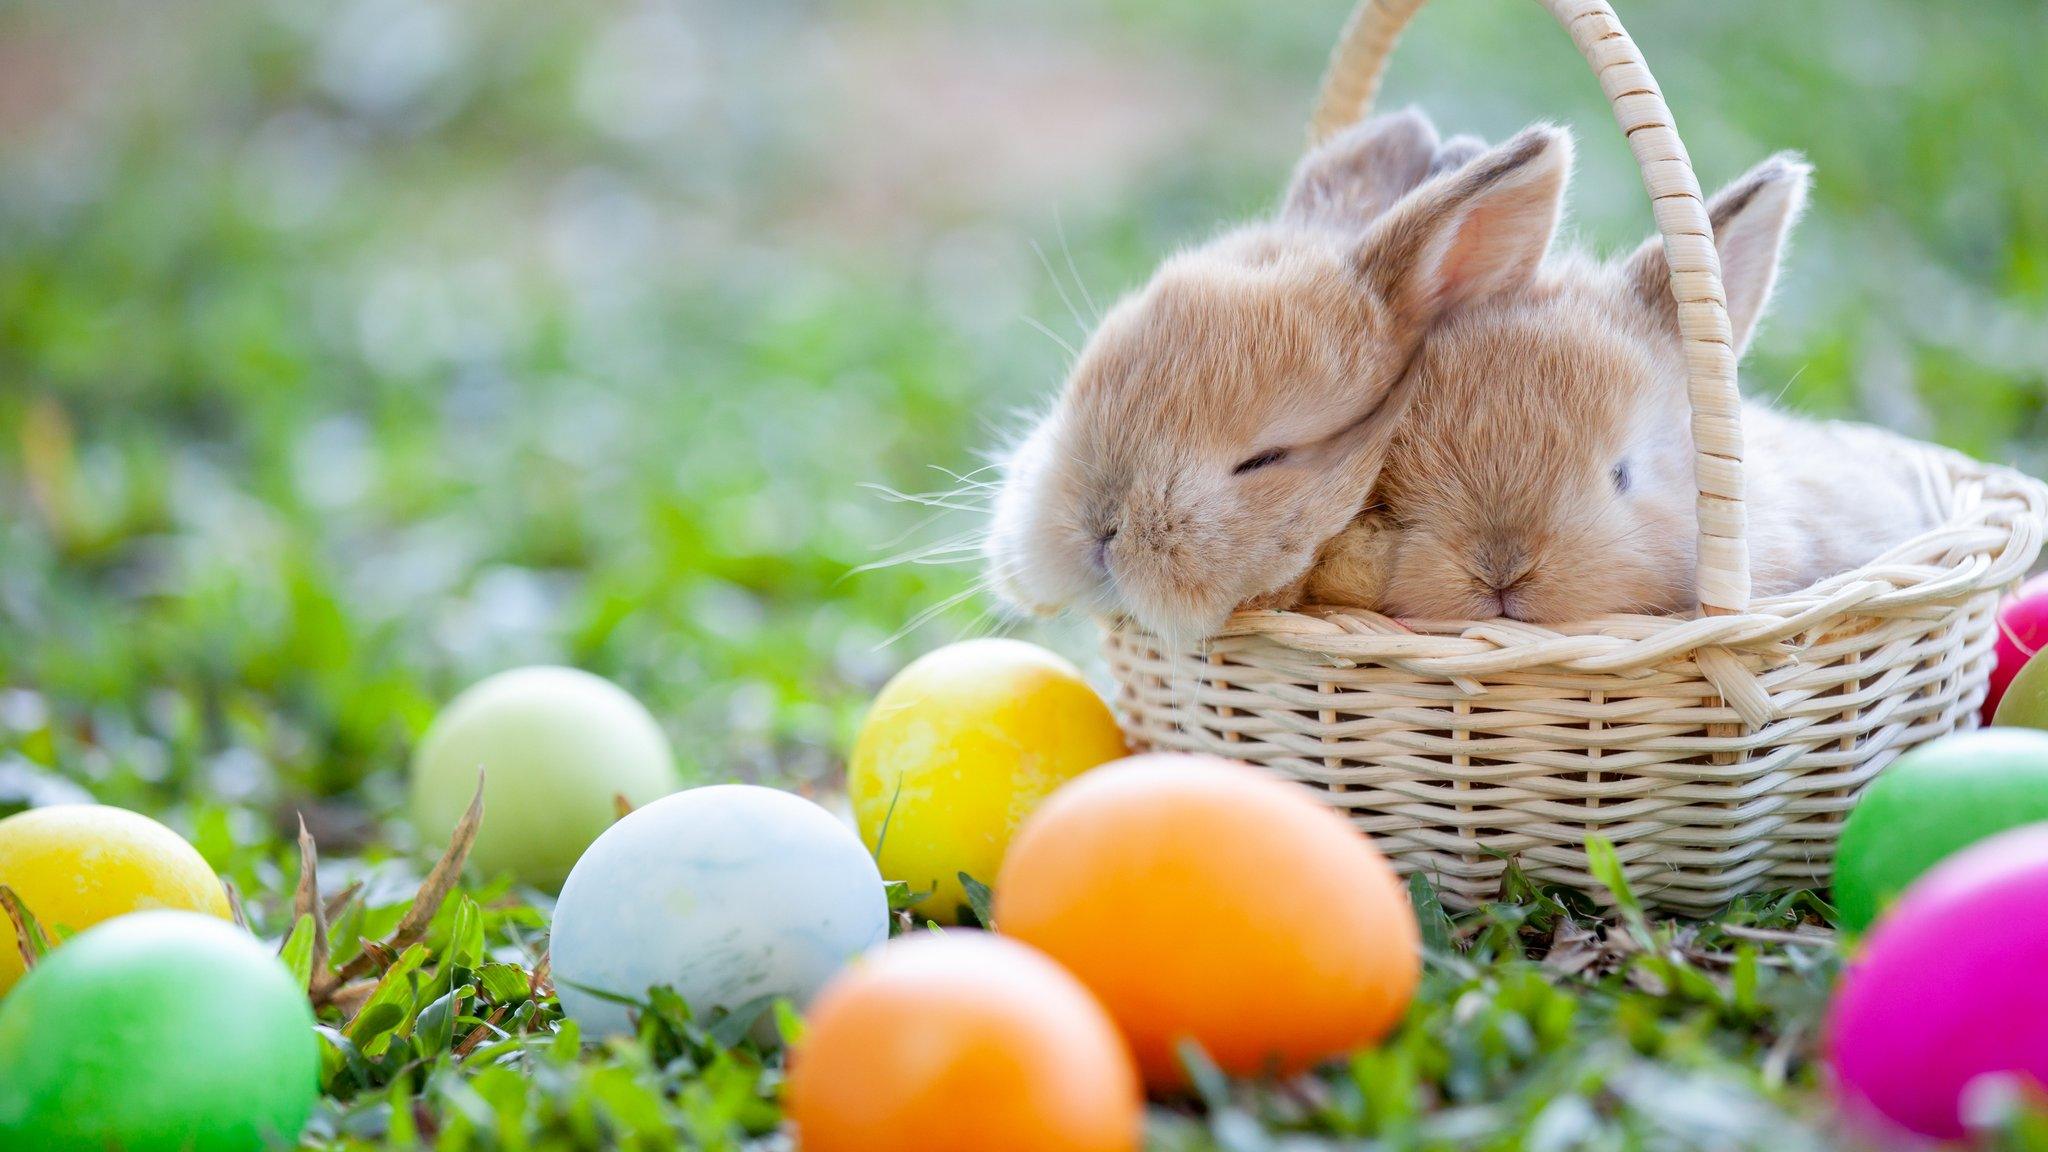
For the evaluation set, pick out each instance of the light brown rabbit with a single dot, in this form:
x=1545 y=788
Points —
x=1229 y=418
x=1353 y=567
x=1545 y=470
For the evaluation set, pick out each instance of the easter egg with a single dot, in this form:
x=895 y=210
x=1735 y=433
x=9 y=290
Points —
x=2022 y=631
x=2025 y=703
x=1939 y=797
x=963 y=1042
x=556 y=745
x=726 y=894
x=958 y=749
x=1200 y=899
x=157 y=1032
x=75 y=865
x=1947 y=988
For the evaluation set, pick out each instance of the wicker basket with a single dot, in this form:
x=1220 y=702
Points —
x=1717 y=752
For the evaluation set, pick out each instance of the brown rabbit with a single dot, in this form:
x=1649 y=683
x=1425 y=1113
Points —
x=1545 y=470
x=1352 y=568
x=1230 y=418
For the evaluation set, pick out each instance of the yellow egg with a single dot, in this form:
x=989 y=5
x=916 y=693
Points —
x=960 y=747
x=75 y=865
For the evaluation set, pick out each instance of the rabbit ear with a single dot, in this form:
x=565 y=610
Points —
x=1455 y=153
x=1751 y=219
x=1479 y=230
x=1349 y=180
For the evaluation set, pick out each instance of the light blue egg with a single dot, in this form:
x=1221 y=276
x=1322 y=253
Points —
x=726 y=894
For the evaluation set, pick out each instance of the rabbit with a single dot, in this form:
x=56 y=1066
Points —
x=1229 y=418
x=1544 y=471
x=1350 y=570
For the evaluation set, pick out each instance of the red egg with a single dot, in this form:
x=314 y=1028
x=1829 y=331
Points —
x=2022 y=631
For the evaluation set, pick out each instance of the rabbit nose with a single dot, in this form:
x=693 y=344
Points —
x=1100 y=554
x=1500 y=569
x=1507 y=600
x=1503 y=584
x=1502 y=600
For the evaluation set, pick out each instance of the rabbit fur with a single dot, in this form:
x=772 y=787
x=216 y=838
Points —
x=1544 y=471
x=1230 y=417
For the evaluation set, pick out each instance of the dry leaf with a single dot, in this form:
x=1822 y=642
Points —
x=433 y=892
x=234 y=896
x=17 y=913
x=477 y=1035
x=1573 y=949
x=542 y=977
x=351 y=997
x=380 y=956
x=306 y=897
x=339 y=902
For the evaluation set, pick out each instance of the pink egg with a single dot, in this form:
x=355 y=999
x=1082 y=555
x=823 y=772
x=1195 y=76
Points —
x=1948 y=988
x=2022 y=631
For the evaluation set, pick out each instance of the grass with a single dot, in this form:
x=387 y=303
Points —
x=351 y=351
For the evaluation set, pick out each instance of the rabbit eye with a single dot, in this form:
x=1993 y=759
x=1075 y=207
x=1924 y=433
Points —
x=1621 y=477
x=1379 y=510
x=1260 y=461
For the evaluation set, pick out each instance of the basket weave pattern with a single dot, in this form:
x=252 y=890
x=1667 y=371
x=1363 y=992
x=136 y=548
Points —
x=1459 y=747
x=1719 y=753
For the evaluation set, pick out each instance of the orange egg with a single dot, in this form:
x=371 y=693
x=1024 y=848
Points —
x=1200 y=899
x=964 y=1042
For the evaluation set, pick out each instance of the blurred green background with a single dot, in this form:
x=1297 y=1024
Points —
x=351 y=351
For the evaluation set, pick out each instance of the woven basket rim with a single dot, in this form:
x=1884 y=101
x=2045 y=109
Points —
x=1992 y=537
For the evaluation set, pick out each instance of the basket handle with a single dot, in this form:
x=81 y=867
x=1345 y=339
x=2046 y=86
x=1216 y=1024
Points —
x=1353 y=79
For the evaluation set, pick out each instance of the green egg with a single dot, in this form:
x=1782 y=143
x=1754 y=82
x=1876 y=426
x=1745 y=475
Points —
x=157 y=1032
x=557 y=746
x=1931 y=802
x=2025 y=703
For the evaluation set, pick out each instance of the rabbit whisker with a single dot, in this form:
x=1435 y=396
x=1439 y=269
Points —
x=932 y=612
x=944 y=500
x=942 y=553
x=1080 y=285
x=1059 y=286
x=1055 y=337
